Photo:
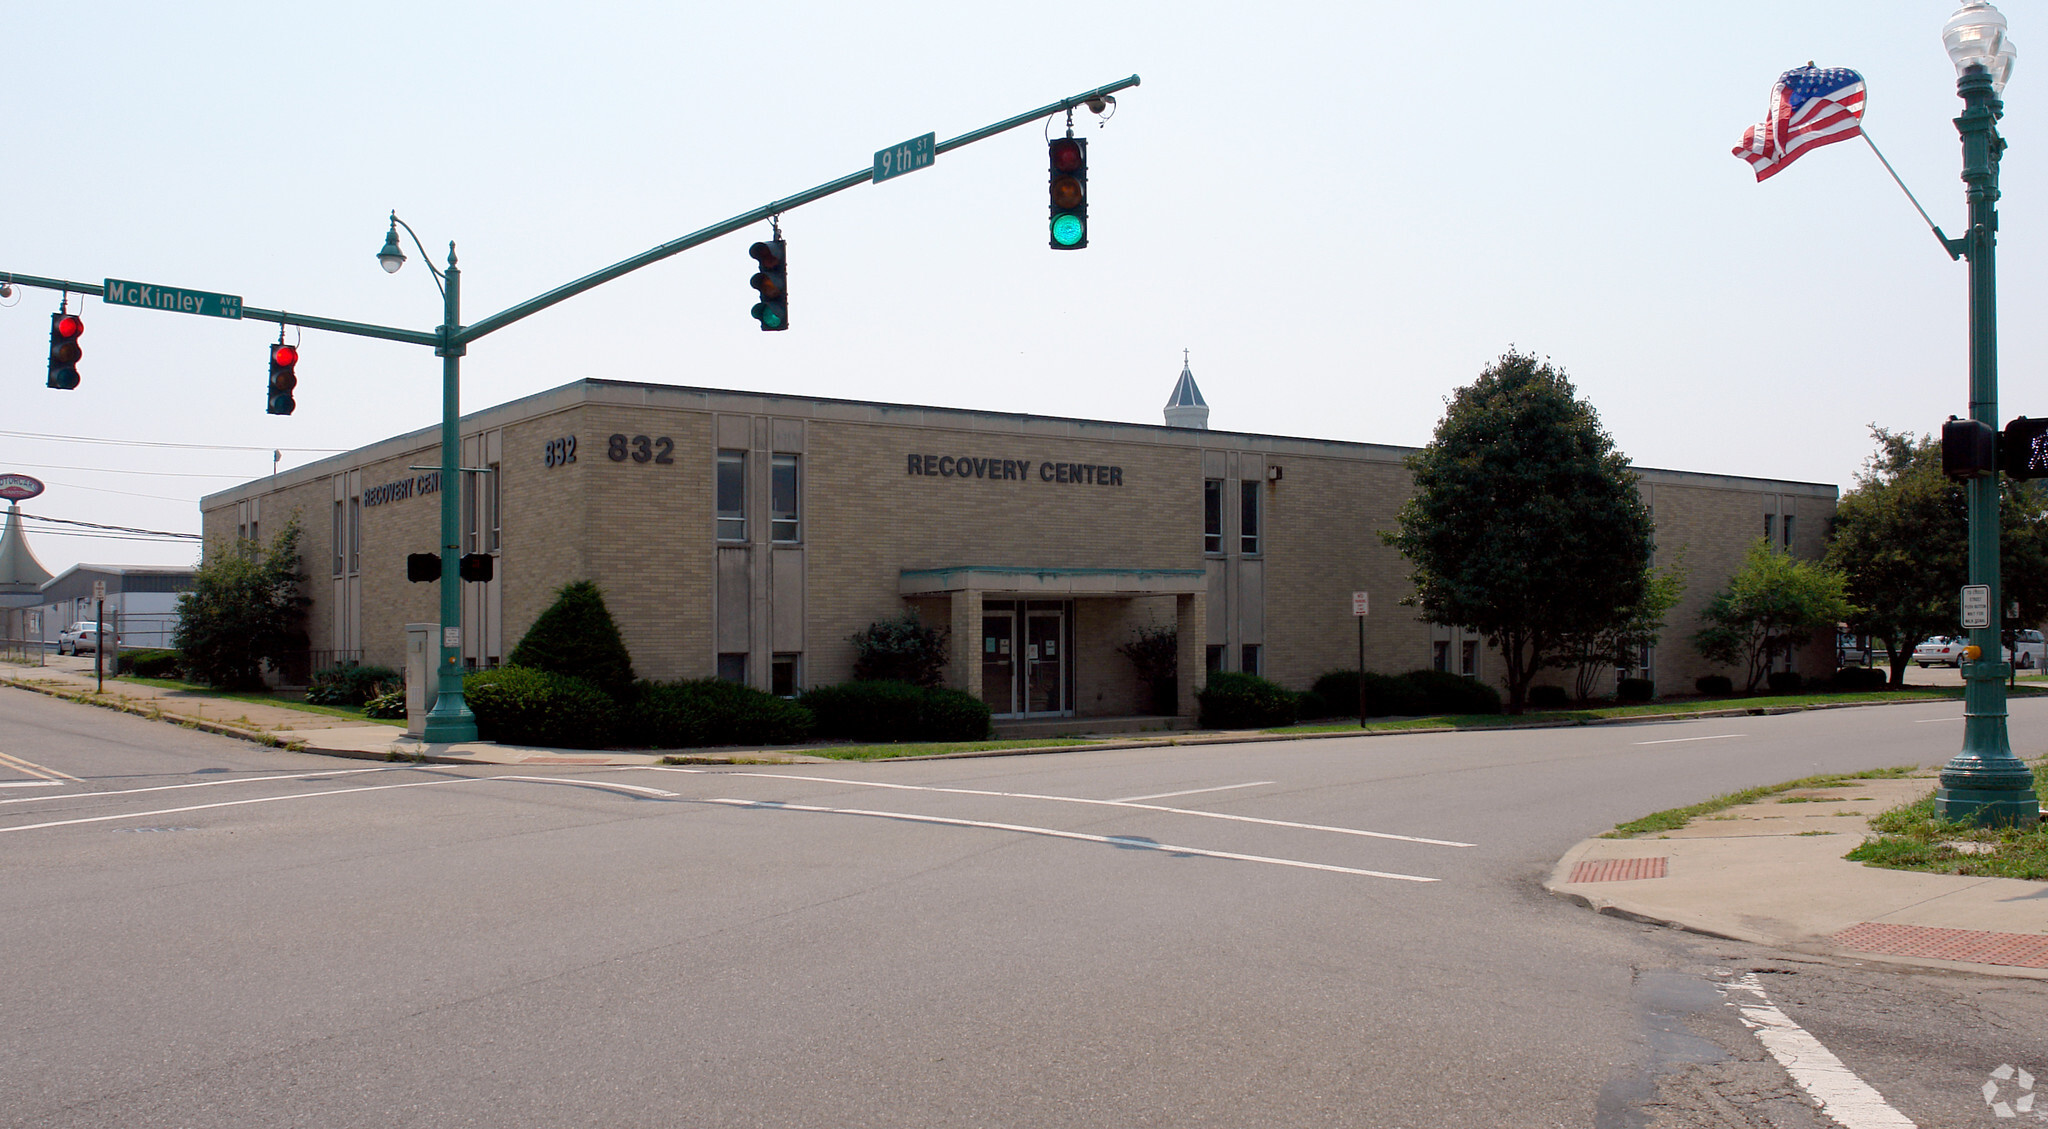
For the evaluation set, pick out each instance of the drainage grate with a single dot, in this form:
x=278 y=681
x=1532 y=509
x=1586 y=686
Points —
x=2020 y=950
x=1619 y=870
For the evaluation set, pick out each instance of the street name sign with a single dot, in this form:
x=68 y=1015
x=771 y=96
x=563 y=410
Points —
x=910 y=156
x=1976 y=605
x=176 y=299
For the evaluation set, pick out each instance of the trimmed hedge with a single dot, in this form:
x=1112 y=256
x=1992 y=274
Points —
x=1862 y=678
x=1444 y=692
x=518 y=706
x=1786 y=681
x=350 y=684
x=1636 y=690
x=1548 y=697
x=708 y=711
x=1244 y=701
x=896 y=711
x=154 y=662
x=1714 y=685
x=576 y=636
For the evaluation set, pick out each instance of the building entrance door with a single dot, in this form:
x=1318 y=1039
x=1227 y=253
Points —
x=1027 y=664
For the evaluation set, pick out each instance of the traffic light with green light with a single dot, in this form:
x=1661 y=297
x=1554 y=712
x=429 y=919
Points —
x=284 y=377
x=1067 y=184
x=772 y=280
x=64 y=351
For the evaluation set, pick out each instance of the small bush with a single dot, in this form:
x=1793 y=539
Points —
x=1335 y=694
x=1547 y=697
x=1155 y=652
x=676 y=715
x=1244 y=701
x=1786 y=682
x=386 y=705
x=1636 y=690
x=577 y=637
x=899 y=650
x=1862 y=678
x=1387 y=695
x=149 y=663
x=1714 y=685
x=1444 y=692
x=896 y=711
x=519 y=706
x=350 y=684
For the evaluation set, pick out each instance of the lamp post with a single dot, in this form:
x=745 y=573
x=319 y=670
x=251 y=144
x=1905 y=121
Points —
x=450 y=719
x=1984 y=783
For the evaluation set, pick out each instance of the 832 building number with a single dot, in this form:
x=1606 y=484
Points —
x=641 y=449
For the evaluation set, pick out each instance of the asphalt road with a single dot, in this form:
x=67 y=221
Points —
x=196 y=931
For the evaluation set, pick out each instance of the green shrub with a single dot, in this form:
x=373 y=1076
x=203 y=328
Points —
x=899 y=650
x=1636 y=690
x=520 y=706
x=1862 y=678
x=1786 y=682
x=1548 y=697
x=1335 y=694
x=577 y=637
x=896 y=711
x=386 y=705
x=1244 y=701
x=350 y=684
x=1388 y=695
x=679 y=715
x=1155 y=652
x=154 y=662
x=1444 y=692
x=1714 y=685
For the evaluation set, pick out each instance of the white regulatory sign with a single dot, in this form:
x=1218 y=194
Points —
x=1358 y=603
x=451 y=637
x=1976 y=605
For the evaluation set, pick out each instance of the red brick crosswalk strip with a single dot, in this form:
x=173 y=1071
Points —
x=2020 y=950
x=1619 y=870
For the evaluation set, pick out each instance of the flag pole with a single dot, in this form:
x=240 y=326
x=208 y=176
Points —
x=1945 y=244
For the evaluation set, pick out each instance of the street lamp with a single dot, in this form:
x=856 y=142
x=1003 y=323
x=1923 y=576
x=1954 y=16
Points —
x=1984 y=783
x=450 y=720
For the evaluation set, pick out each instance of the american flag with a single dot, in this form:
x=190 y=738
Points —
x=1810 y=107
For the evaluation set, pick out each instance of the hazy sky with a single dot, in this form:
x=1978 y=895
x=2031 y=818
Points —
x=1344 y=211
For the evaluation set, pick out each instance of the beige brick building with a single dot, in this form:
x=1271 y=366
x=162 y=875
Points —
x=748 y=536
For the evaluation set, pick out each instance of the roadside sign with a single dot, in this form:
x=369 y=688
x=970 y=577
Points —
x=910 y=156
x=19 y=487
x=99 y=589
x=1976 y=605
x=1358 y=603
x=176 y=299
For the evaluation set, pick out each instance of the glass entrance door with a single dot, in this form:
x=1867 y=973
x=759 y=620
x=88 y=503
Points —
x=1045 y=662
x=1027 y=665
x=999 y=661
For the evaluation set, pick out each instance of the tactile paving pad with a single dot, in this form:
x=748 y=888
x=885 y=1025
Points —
x=1619 y=870
x=2020 y=950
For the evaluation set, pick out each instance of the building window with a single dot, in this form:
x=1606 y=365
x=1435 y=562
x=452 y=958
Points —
x=1770 y=528
x=1248 y=526
x=355 y=535
x=1214 y=661
x=732 y=496
x=1250 y=655
x=1786 y=527
x=783 y=677
x=1468 y=658
x=784 y=488
x=1440 y=655
x=732 y=667
x=1212 y=515
x=340 y=545
x=472 y=518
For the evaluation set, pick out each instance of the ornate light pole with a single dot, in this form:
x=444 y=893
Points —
x=1984 y=783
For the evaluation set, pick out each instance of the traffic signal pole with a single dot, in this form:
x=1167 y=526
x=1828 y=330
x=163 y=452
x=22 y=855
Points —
x=450 y=720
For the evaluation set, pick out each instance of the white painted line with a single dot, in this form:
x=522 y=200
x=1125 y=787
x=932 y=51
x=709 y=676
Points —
x=31 y=783
x=591 y=783
x=1192 y=792
x=1681 y=740
x=1932 y=720
x=36 y=769
x=1049 y=832
x=205 y=784
x=1848 y=1099
x=1080 y=800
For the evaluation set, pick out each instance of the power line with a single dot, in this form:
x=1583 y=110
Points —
x=116 y=528
x=118 y=470
x=182 y=446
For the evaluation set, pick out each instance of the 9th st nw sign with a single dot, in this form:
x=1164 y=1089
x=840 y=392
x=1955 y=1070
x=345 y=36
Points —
x=176 y=299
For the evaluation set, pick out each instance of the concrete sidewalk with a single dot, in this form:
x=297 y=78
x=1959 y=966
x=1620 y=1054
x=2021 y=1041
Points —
x=1771 y=872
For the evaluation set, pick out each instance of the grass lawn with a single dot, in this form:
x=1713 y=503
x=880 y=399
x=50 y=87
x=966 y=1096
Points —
x=290 y=700
x=1911 y=838
x=1672 y=819
x=1687 y=707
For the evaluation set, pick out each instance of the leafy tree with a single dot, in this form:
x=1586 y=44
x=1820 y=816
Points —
x=1773 y=604
x=1155 y=652
x=245 y=610
x=577 y=637
x=1526 y=524
x=1902 y=537
x=1597 y=652
x=900 y=650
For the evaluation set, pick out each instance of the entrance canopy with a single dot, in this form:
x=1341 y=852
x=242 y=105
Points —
x=1053 y=582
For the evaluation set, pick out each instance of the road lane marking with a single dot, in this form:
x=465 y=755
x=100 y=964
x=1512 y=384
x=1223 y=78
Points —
x=1848 y=1099
x=1192 y=792
x=636 y=788
x=36 y=769
x=1679 y=740
x=204 y=784
x=31 y=783
x=1123 y=841
x=1932 y=720
x=1078 y=800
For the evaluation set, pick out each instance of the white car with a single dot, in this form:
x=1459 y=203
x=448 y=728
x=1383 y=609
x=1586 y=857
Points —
x=1942 y=650
x=80 y=638
x=2028 y=651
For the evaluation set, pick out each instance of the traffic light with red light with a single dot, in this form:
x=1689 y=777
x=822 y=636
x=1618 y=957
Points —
x=284 y=377
x=1067 y=185
x=64 y=351
x=772 y=280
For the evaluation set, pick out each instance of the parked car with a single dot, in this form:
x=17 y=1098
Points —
x=80 y=638
x=1942 y=650
x=1851 y=651
x=2029 y=650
